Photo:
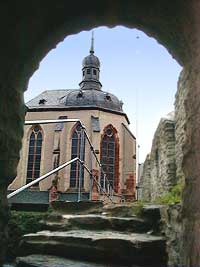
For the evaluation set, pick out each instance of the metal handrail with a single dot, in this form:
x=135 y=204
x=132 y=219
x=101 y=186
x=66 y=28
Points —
x=52 y=121
x=95 y=155
x=85 y=132
x=109 y=194
x=41 y=178
x=99 y=185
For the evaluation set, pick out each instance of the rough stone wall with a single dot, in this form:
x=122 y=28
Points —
x=182 y=223
x=144 y=192
x=172 y=228
x=31 y=29
x=159 y=171
x=156 y=169
x=191 y=166
x=180 y=120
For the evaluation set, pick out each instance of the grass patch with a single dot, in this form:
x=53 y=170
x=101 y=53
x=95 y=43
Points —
x=174 y=196
x=138 y=207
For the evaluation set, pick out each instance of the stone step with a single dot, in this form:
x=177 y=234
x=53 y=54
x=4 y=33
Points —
x=120 y=210
x=96 y=222
x=81 y=207
x=103 y=246
x=54 y=261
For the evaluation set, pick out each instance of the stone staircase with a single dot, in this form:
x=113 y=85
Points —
x=90 y=234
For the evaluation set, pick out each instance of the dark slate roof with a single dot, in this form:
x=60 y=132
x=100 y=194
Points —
x=51 y=96
x=91 y=61
x=76 y=98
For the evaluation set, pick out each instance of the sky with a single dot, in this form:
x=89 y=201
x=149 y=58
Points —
x=134 y=67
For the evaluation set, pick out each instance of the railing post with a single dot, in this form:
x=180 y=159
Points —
x=95 y=187
x=111 y=193
x=104 y=181
x=91 y=175
x=91 y=185
x=100 y=174
x=108 y=189
x=81 y=169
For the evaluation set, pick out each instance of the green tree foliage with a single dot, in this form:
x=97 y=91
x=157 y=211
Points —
x=22 y=223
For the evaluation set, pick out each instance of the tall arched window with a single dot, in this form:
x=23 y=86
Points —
x=34 y=154
x=110 y=156
x=75 y=152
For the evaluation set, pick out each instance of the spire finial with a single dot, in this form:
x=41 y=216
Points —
x=92 y=44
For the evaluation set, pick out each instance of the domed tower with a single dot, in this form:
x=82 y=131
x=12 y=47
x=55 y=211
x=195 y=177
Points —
x=90 y=70
x=106 y=123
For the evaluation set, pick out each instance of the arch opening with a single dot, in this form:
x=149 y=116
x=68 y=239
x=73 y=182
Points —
x=165 y=22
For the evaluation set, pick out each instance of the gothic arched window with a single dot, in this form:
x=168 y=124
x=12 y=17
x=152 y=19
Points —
x=110 y=156
x=75 y=152
x=34 y=154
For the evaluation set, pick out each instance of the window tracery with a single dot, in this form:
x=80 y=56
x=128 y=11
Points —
x=75 y=152
x=110 y=156
x=34 y=154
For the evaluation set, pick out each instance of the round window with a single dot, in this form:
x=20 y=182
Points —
x=109 y=132
x=36 y=129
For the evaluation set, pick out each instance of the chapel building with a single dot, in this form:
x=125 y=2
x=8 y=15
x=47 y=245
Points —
x=46 y=146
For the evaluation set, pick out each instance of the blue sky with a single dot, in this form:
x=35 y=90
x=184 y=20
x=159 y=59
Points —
x=134 y=67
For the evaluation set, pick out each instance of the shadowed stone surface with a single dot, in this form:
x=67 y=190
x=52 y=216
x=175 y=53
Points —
x=97 y=222
x=120 y=210
x=180 y=118
x=159 y=169
x=82 y=207
x=172 y=227
x=53 y=261
x=100 y=238
x=104 y=246
x=30 y=29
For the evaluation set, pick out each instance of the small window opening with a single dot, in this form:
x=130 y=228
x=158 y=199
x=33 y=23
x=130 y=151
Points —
x=80 y=94
x=109 y=132
x=83 y=73
x=42 y=101
x=108 y=97
x=94 y=72
x=88 y=71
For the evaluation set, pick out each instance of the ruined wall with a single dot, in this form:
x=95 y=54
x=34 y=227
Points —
x=172 y=229
x=159 y=172
x=164 y=166
x=180 y=224
x=144 y=191
x=30 y=30
x=180 y=119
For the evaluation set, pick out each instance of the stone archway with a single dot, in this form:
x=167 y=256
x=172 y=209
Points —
x=30 y=29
